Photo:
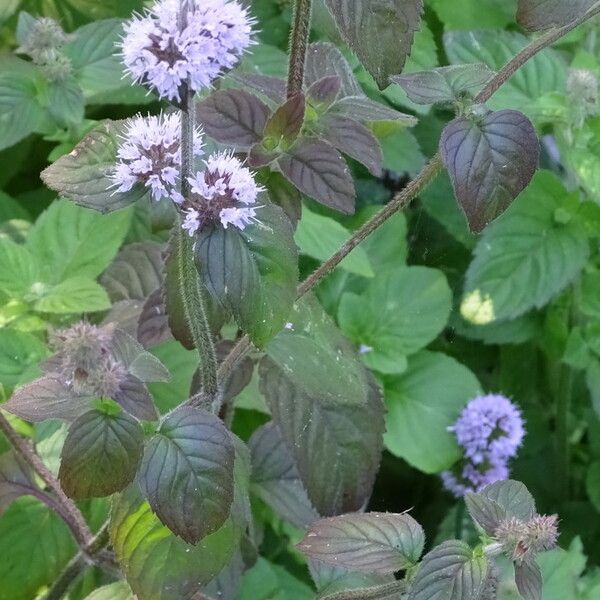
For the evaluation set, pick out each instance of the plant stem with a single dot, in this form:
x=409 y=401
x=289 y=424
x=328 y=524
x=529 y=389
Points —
x=298 y=46
x=422 y=180
x=191 y=290
x=61 y=503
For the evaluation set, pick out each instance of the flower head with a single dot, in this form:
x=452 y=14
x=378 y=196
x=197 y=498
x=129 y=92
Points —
x=224 y=192
x=521 y=539
x=150 y=154
x=158 y=53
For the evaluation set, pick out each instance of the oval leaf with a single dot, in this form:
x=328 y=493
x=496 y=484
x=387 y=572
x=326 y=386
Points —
x=371 y=542
x=490 y=159
x=187 y=473
x=101 y=454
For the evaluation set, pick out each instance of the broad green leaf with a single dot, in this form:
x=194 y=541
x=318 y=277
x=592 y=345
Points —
x=528 y=256
x=537 y=15
x=66 y=103
x=119 y=590
x=157 y=564
x=187 y=473
x=101 y=454
x=475 y=14
x=544 y=73
x=380 y=33
x=320 y=237
x=451 y=571
x=83 y=175
x=18 y=352
x=590 y=293
x=11 y=208
x=35 y=546
x=73 y=295
x=76 y=242
x=327 y=408
x=19 y=268
x=490 y=159
x=252 y=272
x=421 y=404
x=372 y=542
x=387 y=320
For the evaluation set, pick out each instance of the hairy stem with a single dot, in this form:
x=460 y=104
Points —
x=191 y=290
x=298 y=46
x=379 y=591
x=60 y=502
x=422 y=180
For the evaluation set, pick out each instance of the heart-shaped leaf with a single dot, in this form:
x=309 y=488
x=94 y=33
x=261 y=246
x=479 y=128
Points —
x=101 y=454
x=187 y=473
x=450 y=571
x=490 y=159
x=253 y=272
x=372 y=542
x=380 y=32
x=537 y=15
x=317 y=170
x=83 y=175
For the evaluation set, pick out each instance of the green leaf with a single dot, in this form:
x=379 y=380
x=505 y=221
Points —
x=252 y=272
x=18 y=352
x=66 y=103
x=119 y=590
x=592 y=484
x=76 y=242
x=187 y=473
x=512 y=497
x=83 y=175
x=19 y=268
x=537 y=15
x=421 y=404
x=319 y=236
x=544 y=73
x=11 y=209
x=380 y=33
x=35 y=546
x=73 y=295
x=321 y=398
x=157 y=564
x=475 y=14
x=528 y=256
x=372 y=542
x=101 y=454
x=451 y=571
x=387 y=320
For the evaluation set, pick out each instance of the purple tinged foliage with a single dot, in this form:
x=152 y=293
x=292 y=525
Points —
x=490 y=430
x=160 y=55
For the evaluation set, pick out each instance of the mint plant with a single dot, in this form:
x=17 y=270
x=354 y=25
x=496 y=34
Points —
x=231 y=314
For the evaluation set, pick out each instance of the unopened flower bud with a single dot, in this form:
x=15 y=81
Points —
x=58 y=68
x=542 y=533
x=45 y=37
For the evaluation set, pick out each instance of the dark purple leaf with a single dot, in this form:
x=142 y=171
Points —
x=153 y=325
x=367 y=110
x=380 y=32
x=528 y=579
x=100 y=455
x=270 y=87
x=323 y=60
x=373 y=542
x=135 y=398
x=354 y=139
x=485 y=512
x=16 y=479
x=258 y=156
x=322 y=93
x=275 y=478
x=233 y=117
x=46 y=398
x=317 y=170
x=445 y=84
x=537 y=15
x=285 y=123
x=187 y=473
x=490 y=159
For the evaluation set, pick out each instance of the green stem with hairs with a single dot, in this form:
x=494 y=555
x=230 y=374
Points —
x=298 y=46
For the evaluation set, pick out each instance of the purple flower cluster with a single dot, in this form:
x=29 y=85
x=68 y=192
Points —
x=159 y=53
x=490 y=430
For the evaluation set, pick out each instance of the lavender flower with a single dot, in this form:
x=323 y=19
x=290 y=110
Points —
x=161 y=55
x=150 y=154
x=224 y=192
x=490 y=430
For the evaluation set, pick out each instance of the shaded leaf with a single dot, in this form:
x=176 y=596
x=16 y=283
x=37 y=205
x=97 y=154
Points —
x=20 y=268
x=528 y=579
x=323 y=92
x=187 y=473
x=16 y=479
x=275 y=478
x=18 y=352
x=285 y=195
x=372 y=542
x=451 y=571
x=445 y=84
x=324 y=60
x=272 y=88
x=285 y=123
x=385 y=591
x=380 y=32
x=327 y=408
x=491 y=160
x=484 y=511
x=138 y=361
x=317 y=170
x=101 y=454
x=83 y=175
x=364 y=109
x=233 y=117
x=135 y=398
x=153 y=324
x=537 y=15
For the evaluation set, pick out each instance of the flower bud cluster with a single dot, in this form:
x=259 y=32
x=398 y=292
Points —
x=523 y=540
